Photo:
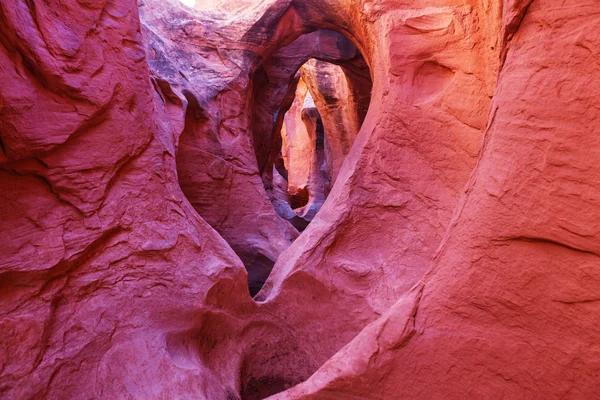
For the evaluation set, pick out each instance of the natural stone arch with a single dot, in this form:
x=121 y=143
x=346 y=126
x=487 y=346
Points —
x=274 y=83
x=414 y=153
x=415 y=150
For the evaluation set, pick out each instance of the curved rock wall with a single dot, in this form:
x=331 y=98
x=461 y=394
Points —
x=103 y=260
x=508 y=309
x=378 y=232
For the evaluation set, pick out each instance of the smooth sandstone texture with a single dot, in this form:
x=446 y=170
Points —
x=509 y=308
x=455 y=257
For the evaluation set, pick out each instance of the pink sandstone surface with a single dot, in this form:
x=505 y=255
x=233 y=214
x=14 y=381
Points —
x=455 y=257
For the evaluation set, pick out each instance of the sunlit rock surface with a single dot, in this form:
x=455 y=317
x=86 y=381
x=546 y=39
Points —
x=455 y=256
x=342 y=96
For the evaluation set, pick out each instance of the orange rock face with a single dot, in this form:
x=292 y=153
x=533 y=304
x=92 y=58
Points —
x=298 y=148
x=342 y=96
x=143 y=195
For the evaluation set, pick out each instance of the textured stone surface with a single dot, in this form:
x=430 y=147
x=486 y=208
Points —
x=377 y=234
x=456 y=253
x=216 y=164
x=509 y=307
x=103 y=261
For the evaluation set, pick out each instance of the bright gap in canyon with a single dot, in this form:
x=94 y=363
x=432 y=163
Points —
x=299 y=199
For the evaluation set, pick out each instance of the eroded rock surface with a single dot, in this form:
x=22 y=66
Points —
x=216 y=164
x=455 y=254
x=393 y=200
x=103 y=261
x=513 y=285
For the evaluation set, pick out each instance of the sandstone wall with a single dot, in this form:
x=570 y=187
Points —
x=455 y=256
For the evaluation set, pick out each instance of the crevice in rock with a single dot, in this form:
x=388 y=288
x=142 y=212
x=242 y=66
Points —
x=312 y=103
x=305 y=104
x=317 y=130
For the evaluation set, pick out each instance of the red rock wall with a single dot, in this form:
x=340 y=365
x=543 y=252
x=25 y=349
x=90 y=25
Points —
x=508 y=309
x=103 y=261
x=378 y=232
x=455 y=256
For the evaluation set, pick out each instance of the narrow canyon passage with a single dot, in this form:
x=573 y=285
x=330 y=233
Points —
x=299 y=199
x=309 y=142
x=316 y=136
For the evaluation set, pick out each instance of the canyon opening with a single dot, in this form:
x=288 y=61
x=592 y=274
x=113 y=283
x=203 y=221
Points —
x=299 y=199
x=307 y=103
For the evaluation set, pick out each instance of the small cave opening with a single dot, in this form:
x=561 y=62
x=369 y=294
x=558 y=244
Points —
x=310 y=100
x=257 y=159
x=314 y=129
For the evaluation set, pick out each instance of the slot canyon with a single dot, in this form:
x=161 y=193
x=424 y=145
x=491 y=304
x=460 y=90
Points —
x=299 y=199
